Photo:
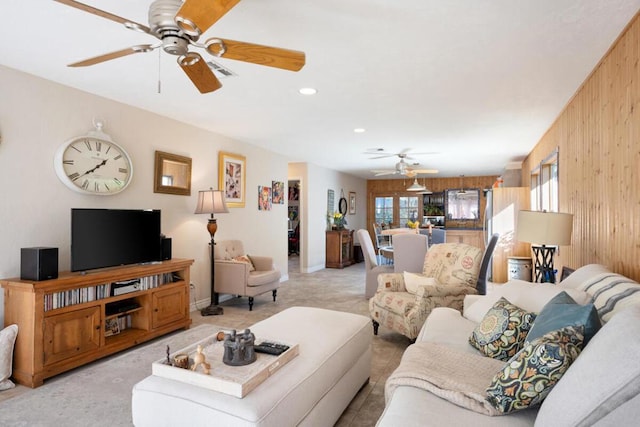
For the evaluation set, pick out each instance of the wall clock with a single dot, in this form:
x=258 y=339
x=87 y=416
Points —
x=93 y=164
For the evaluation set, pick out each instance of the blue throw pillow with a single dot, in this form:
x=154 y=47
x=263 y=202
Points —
x=563 y=311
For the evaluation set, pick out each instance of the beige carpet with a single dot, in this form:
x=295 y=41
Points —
x=99 y=394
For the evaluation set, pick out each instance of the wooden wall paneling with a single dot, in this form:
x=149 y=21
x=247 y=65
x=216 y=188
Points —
x=507 y=202
x=598 y=136
x=386 y=187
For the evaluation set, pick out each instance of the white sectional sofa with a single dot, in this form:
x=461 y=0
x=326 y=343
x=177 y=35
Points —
x=601 y=387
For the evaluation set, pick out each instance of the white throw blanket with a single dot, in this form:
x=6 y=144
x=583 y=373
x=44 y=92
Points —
x=461 y=378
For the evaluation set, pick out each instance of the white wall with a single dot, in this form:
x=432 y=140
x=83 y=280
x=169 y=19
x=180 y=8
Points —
x=37 y=116
x=315 y=181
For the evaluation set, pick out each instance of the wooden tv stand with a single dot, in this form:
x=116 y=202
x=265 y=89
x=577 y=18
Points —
x=73 y=320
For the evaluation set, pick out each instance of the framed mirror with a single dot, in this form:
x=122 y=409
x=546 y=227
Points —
x=172 y=174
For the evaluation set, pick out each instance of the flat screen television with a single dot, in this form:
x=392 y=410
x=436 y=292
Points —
x=110 y=237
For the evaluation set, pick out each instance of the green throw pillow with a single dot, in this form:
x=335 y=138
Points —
x=530 y=375
x=563 y=311
x=502 y=331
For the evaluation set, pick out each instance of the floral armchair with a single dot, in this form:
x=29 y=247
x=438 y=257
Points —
x=451 y=270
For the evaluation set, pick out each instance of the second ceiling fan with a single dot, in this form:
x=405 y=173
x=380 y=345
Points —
x=179 y=25
x=402 y=168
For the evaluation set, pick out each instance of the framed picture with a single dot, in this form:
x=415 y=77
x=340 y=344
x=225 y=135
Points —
x=352 y=203
x=232 y=178
x=277 y=190
x=264 y=198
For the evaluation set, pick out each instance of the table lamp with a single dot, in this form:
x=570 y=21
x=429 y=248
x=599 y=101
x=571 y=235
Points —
x=211 y=202
x=544 y=228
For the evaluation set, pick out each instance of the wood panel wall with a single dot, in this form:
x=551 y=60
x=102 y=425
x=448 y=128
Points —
x=598 y=137
x=382 y=187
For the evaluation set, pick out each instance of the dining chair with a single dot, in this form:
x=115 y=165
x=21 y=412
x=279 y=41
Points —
x=372 y=267
x=409 y=250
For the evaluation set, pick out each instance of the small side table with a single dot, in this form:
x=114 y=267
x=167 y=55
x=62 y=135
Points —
x=519 y=267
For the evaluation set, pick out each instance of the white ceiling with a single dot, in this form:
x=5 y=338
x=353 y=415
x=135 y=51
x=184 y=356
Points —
x=477 y=82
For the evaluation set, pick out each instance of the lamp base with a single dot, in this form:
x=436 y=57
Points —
x=212 y=310
x=544 y=271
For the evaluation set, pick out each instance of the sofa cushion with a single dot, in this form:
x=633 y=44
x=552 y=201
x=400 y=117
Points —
x=412 y=281
x=453 y=263
x=502 y=331
x=604 y=377
x=582 y=274
x=563 y=311
x=529 y=296
x=611 y=292
x=530 y=375
x=446 y=326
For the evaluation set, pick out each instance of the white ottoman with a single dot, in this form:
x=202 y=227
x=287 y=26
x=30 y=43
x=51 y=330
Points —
x=313 y=389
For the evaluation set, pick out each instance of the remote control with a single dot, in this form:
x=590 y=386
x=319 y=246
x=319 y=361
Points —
x=270 y=348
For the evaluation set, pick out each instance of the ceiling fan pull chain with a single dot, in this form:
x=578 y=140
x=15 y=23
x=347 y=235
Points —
x=159 y=72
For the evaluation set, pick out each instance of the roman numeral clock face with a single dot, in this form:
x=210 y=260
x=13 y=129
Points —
x=93 y=166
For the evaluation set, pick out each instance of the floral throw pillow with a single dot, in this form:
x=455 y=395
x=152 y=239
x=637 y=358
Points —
x=531 y=374
x=502 y=331
x=245 y=259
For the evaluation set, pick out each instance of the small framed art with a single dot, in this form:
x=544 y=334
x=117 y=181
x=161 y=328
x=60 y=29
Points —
x=352 y=203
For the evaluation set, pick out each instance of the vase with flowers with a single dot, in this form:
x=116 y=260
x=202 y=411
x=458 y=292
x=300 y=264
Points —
x=339 y=221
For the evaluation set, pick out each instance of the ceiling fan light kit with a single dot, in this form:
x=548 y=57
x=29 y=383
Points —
x=178 y=25
x=415 y=186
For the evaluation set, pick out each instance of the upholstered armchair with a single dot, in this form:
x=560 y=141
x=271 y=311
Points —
x=240 y=274
x=403 y=301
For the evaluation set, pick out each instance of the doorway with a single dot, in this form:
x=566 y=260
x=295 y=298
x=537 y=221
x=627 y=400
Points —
x=294 y=224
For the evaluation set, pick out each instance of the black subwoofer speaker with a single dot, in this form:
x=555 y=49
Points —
x=38 y=263
x=166 y=248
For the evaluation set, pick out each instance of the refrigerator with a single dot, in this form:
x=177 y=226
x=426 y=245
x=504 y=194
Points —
x=501 y=216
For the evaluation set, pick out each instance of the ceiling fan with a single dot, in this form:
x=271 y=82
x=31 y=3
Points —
x=404 y=154
x=402 y=168
x=178 y=25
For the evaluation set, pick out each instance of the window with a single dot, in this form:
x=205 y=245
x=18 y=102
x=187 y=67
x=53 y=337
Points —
x=384 y=210
x=397 y=210
x=544 y=185
x=408 y=210
x=463 y=205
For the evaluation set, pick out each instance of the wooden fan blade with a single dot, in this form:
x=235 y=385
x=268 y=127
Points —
x=86 y=8
x=113 y=55
x=424 y=170
x=196 y=16
x=199 y=72
x=286 y=59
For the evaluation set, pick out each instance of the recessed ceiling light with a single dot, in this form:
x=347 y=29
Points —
x=308 y=91
x=359 y=130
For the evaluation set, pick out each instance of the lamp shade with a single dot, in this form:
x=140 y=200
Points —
x=544 y=228
x=211 y=201
x=415 y=186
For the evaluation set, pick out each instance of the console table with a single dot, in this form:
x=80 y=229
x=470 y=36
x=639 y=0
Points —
x=339 y=252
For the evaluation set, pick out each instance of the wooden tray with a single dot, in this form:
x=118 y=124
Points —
x=236 y=381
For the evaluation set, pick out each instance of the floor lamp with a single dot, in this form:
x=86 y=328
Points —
x=543 y=228
x=211 y=202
